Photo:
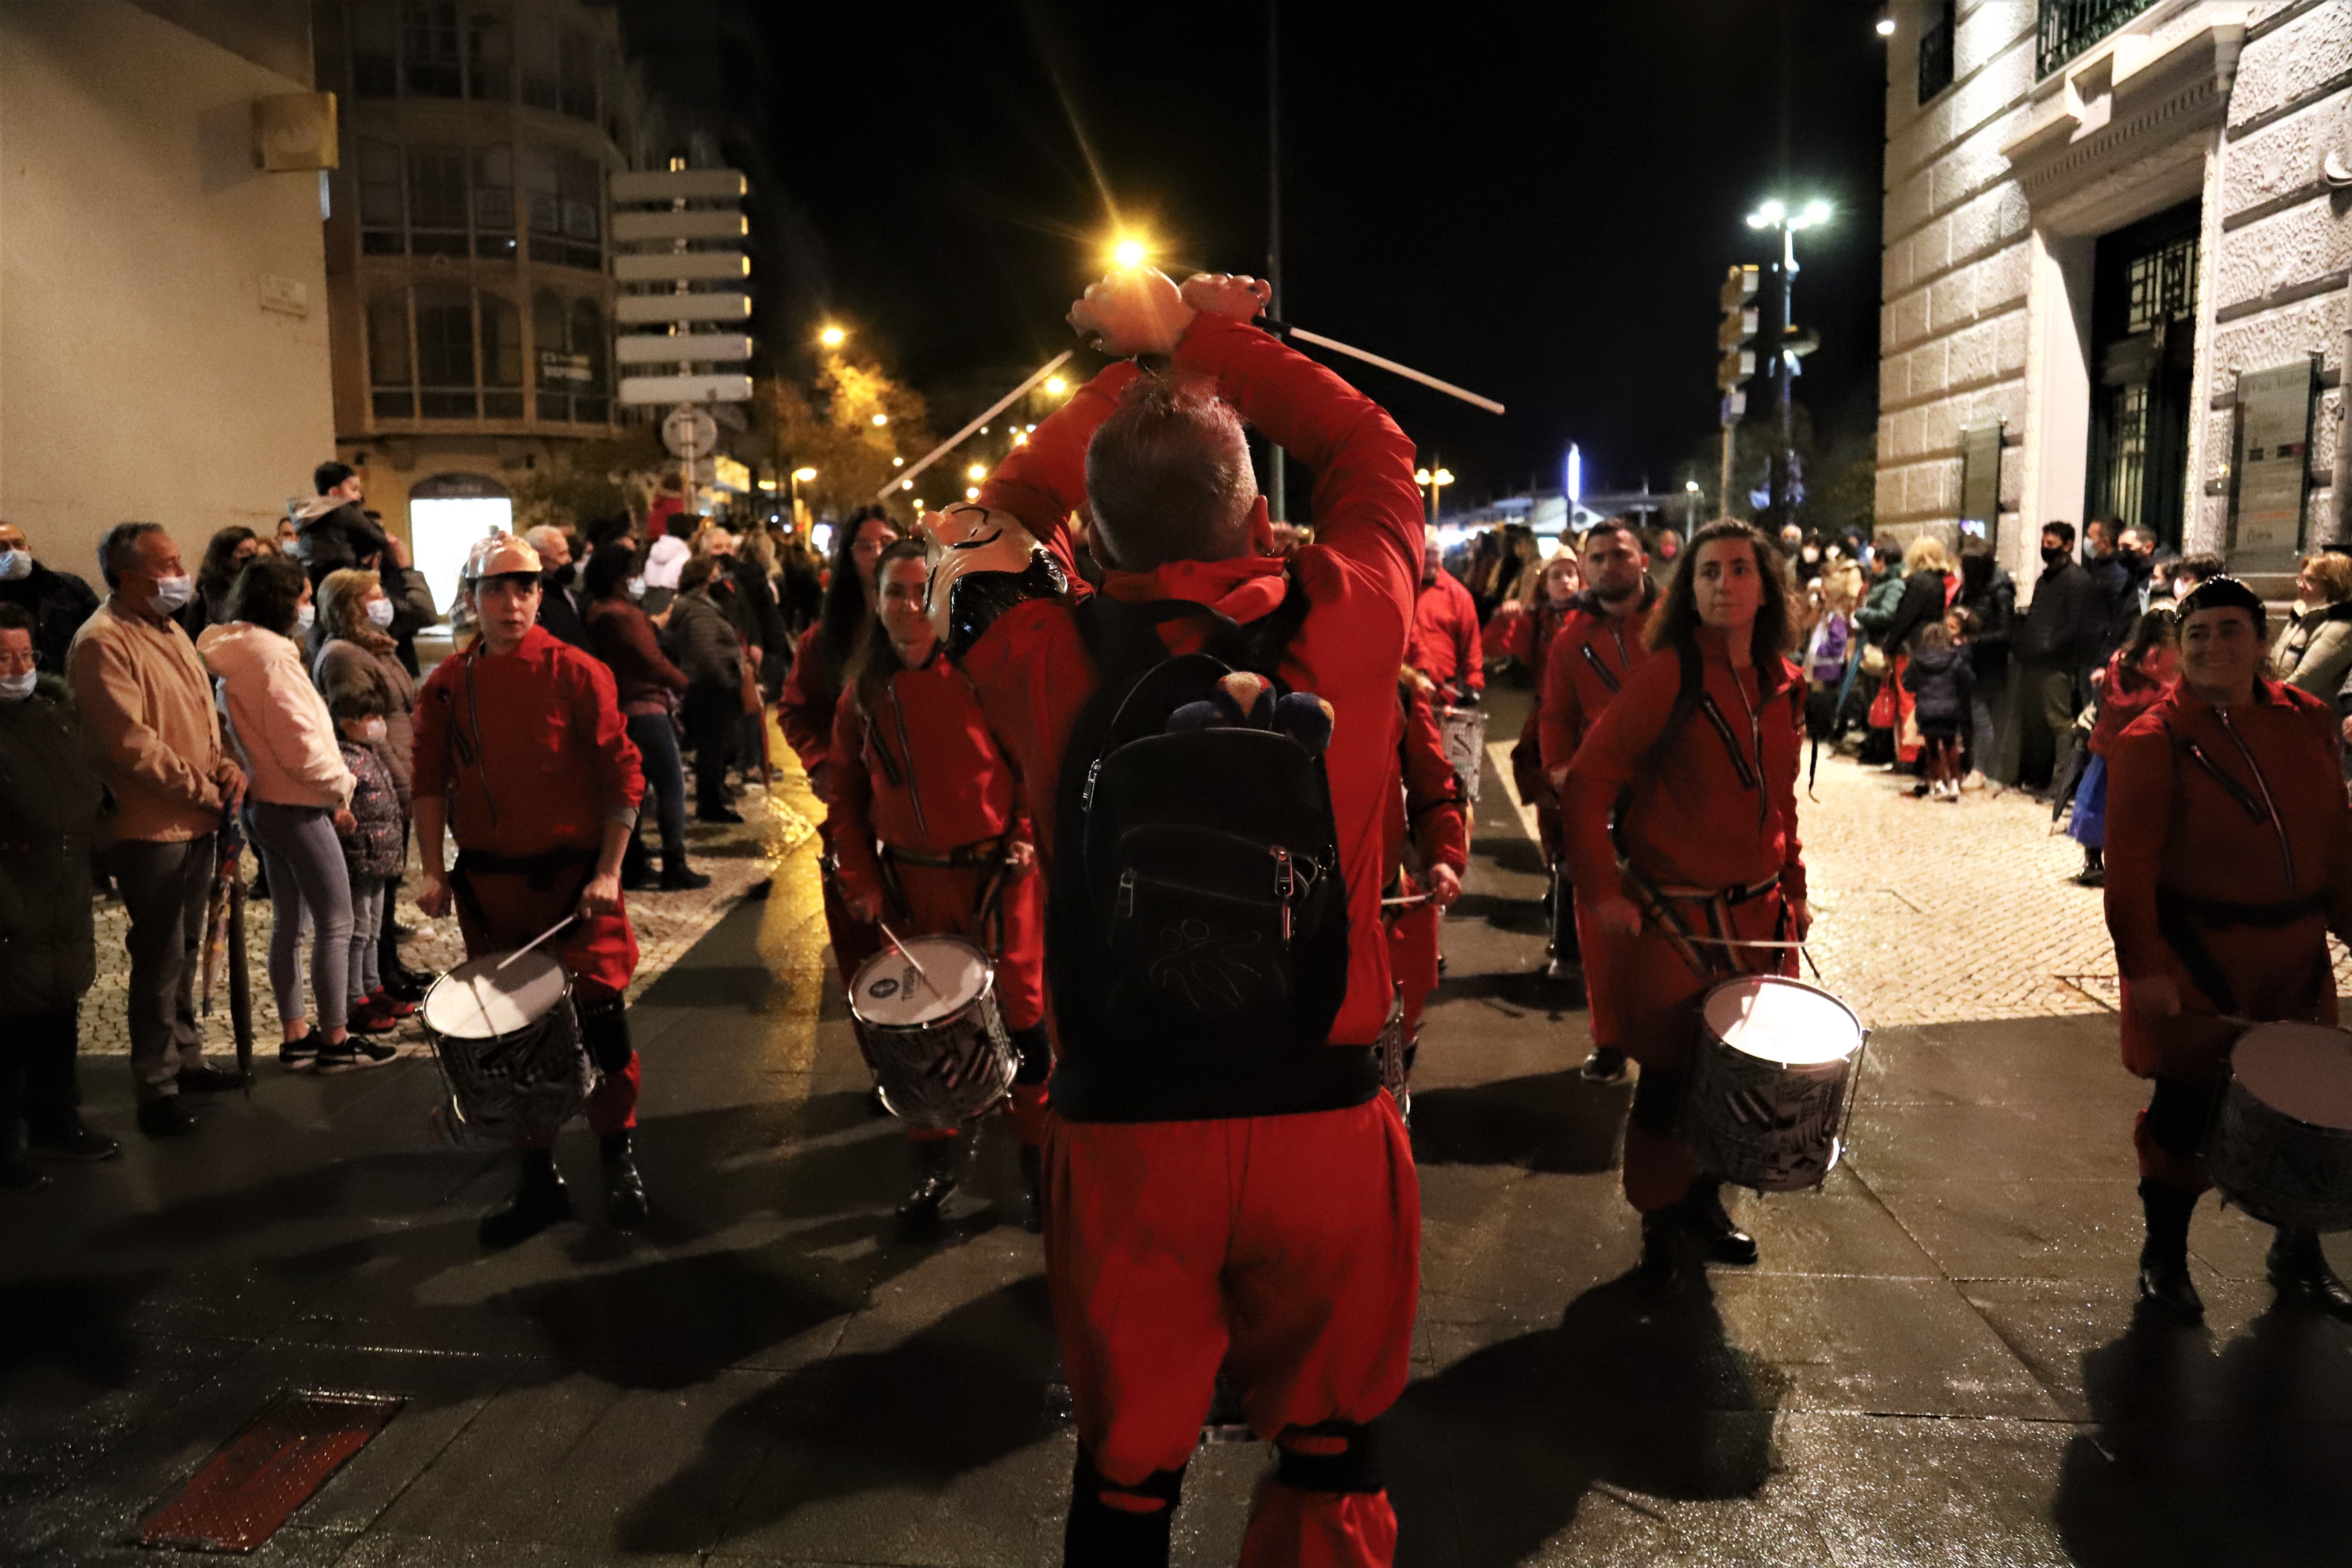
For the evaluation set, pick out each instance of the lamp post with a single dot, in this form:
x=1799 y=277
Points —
x=1775 y=214
x=1690 y=515
x=1432 y=480
x=799 y=476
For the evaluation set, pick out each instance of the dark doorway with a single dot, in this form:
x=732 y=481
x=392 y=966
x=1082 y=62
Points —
x=2143 y=340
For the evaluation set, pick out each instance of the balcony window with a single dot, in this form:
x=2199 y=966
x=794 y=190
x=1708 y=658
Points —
x=579 y=67
x=375 y=50
x=428 y=46
x=489 y=57
x=382 y=212
x=569 y=339
x=564 y=197
x=445 y=352
x=2070 y=27
x=1936 y=51
x=437 y=219
x=494 y=203
x=540 y=55
x=391 y=384
x=467 y=357
x=501 y=358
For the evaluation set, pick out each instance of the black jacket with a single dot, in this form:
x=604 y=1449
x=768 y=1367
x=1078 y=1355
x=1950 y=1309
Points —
x=49 y=803
x=58 y=602
x=345 y=536
x=2066 y=623
x=1921 y=606
x=1988 y=593
x=558 y=611
x=1942 y=682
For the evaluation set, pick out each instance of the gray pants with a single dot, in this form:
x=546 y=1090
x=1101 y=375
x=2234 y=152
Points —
x=307 y=877
x=164 y=887
x=367 y=922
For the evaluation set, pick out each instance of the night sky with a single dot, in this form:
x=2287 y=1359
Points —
x=1538 y=202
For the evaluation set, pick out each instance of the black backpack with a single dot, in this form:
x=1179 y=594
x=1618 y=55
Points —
x=1197 y=916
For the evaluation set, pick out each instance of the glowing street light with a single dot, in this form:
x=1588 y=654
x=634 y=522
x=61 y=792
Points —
x=1775 y=214
x=977 y=472
x=833 y=337
x=972 y=493
x=898 y=462
x=1432 y=480
x=1887 y=26
x=1056 y=386
x=880 y=420
x=803 y=475
x=1129 y=252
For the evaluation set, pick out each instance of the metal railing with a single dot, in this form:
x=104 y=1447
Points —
x=2070 y=27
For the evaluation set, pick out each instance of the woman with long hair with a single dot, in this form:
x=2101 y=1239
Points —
x=2137 y=676
x=225 y=556
x=1680 y=810
x=928 y=837
x=648 y=687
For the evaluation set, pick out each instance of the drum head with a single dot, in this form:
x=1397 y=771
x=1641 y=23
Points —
x=2304 y=1071
x=1780 y=1020
x=479 y=1000
x=891 y=992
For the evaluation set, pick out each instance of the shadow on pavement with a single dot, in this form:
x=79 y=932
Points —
x=1511 y=852
x=2241 y=1457
x=1502 y=914
x=1546 y=1121
x=961 y=1393
x=1637 y=1387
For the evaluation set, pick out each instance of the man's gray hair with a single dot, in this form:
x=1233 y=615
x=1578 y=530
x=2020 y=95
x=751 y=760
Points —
x=117 y=550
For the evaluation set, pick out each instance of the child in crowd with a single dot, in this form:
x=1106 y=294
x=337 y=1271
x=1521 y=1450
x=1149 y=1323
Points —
x=2137 y=676
x=1942 y=682
x=372 y=853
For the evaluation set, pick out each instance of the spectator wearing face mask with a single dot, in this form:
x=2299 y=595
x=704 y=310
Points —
x=225 y=557
x=49 y=802
x=374 y=850
x=559 y=612
x=2057 y=640
x=359 y=663
x=57 y=602
x=146 y=705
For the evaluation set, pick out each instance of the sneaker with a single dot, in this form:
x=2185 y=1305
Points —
x=210 y=1080
x=165 y=1118
x=391 y=1006
x=75 y=1145
x=721 y=813
x=367 y=1018
x=296 y=1054
x=353 y=1052
x=17 y=1178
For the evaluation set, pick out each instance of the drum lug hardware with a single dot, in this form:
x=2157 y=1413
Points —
x=1126 y=894
x=1285 y=886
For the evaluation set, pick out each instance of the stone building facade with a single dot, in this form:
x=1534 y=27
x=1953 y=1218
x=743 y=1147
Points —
x=2118 y=273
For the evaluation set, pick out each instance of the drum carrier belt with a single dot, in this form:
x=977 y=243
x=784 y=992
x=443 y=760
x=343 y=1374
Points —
x=2178 y=916
x=540 y=871
x=988 y=855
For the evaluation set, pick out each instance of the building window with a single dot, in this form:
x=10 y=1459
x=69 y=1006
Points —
x=501 y=358
x=2069 y=26
x=564 y=197
x=382 y=212
x=428 y=46
x=437 y=219
x=468 y=358
x=494 y=203
x=437 y=201
x=1936 y=51
x=391 y=389
x=445 y=352
x=580 y=75
x=569 y=341
x=375 y=50
x=588 y=342
x=489 y=64
x=540 y=56
x=2162 y=285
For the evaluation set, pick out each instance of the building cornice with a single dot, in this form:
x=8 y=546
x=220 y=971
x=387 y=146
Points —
x=2100 y=126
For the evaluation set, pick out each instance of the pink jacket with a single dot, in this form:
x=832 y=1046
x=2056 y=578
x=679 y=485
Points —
x=276 y=718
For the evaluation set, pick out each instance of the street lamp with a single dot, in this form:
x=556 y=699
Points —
x=1775 y=214
x=1055 y=386
x=880 y=420
x=977 y=472
x=833 y=337
x=1128 y=252
x=1432 y=480
x=1690 y=517
x=799 y=477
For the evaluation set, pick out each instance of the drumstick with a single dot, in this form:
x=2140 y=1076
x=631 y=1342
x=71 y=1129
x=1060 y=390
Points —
x=909 y=957
x=903 y=478
x=534 y=942
x=1284 y=329
x=1408 y=898
x=1729 y=941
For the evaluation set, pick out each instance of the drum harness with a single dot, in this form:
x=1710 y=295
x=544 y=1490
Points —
x=992 y=855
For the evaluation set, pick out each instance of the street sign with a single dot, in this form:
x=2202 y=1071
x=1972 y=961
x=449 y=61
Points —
x=554 y=366
x=684 y=348
x=649 y=310
x=1741 y=322
x=689 y=433
x=641 y=391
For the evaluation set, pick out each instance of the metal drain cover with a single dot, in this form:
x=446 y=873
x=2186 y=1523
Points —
x=262 y=1475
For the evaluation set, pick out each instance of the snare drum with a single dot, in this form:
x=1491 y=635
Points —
x=1463 y=732
x=508 y=1044
x=1769 y=1082
x=2282 y=1148
x=932 y=1034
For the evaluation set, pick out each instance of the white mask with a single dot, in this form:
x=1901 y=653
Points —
x=379 y=612
x=636 y=587
x=373 y=730
x=170 y=593
x=17 y=688
x=305 y=615
x=15 y=565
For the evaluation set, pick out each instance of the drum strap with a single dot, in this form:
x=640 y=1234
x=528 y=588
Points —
x=540 y=871
x=978 y=853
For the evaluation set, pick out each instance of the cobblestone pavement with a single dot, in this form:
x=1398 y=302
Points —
x=1939 y=912
x=737 y=860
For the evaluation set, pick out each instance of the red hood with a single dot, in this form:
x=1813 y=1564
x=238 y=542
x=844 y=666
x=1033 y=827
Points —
x=1242 y=589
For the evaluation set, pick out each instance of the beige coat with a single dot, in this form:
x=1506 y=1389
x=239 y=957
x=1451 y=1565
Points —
x=276 y=718
x=147 y=713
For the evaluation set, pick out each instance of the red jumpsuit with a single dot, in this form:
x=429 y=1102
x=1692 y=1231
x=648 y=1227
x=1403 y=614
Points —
x=1713 y=826
x=1588 y=663
x=1426 y=805
x=532 y=754
x=1286 y=1246
x=2228 y=861
x=1446 y=634
x=806 y=712
x=922 y=782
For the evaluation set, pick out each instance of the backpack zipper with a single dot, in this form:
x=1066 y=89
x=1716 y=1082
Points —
x=1286 y=887
x=1127 y=894
x=1086 y=801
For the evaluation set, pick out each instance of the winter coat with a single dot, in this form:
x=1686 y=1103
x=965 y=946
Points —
x=1921 y=605
x=50 y=798
x=2065 y=624
x=2313 y=651
x=700 y=640
x=347 y=670
x=1990 y=596
x=58 y=602
x=147 y=708
x=335 y=535
x=376 y=847
x=557 y=611
x=277 y=718
x=1943 y=682
x=623 y=638
x=1879 y=606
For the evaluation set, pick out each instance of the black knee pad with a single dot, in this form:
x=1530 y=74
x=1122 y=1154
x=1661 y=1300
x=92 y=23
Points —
x=2180 y=1114
x=1309 y=1462
x=1035 y=1051
x=604 y=1030
x=1658 y=1102
x=1131 y=1533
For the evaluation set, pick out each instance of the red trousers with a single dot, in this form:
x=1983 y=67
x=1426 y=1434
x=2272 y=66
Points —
x=1413 y=958
x=1285 y=1247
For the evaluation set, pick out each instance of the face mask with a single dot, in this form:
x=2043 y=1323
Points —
x=636 y=587
x=379 y=612
x=306 y=615
x=373 y=730
x=17 y=688
x=2052 y=555
x=170 y=593
x=15 y=565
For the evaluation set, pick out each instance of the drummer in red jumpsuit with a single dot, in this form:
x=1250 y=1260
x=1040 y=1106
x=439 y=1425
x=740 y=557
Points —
x=1446 y=630
x=1285 y=1246
x=1708 y=838
x=522 y=755
x=1425 y=817
x=930 y=842
x=2228 y=861
x=1585 y=667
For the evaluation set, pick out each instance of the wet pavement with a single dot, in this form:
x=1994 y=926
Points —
x=1936 y=1361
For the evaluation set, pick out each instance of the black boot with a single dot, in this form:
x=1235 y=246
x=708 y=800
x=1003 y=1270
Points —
x=1670 y=1251
x=636 y=867
x=539 y=1201
x=1722 y=1241
x=939 y=1171
x=2299 y=1269
x=2164 y=1281
x=625 y=1193
x=678 y=876
x=1603 y=1066
x=1032 y=1189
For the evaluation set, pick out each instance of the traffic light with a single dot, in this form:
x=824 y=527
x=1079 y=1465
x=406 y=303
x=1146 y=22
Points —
x=1741 y=322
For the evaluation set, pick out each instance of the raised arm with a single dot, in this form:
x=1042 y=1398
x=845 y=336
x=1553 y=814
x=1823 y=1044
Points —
x=1043 y=480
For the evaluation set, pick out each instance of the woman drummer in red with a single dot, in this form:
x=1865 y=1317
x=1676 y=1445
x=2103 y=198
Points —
x=1683 y=799
x=1427 y=850
x=929 y=841
x=2228 y=861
